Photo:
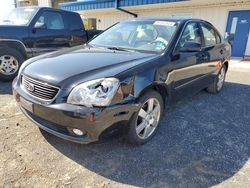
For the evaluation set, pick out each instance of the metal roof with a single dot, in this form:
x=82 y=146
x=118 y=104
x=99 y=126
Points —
x=101 y=4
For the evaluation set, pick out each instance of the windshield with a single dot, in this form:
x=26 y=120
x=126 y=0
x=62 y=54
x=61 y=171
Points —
x=151 y=36
x=18 y=16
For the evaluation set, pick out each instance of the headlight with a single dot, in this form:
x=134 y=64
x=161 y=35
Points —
x=94 y=93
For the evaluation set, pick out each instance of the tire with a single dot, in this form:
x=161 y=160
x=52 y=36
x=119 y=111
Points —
x=135 y=134
x=214 y=87
x=10 y=62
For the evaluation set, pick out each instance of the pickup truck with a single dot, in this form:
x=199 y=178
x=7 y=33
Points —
x=31 y=31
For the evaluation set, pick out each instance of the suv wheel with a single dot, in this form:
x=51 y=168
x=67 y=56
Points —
x=144 y=123
x=10 y=62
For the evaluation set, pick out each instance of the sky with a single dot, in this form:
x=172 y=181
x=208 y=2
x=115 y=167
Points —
x=6 y=6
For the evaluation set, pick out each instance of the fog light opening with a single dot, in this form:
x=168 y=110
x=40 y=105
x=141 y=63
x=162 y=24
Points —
x=92 y=117
x=17 y=96
x=77 y=132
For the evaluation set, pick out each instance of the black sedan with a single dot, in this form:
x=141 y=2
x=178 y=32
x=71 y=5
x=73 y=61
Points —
x=122 y=79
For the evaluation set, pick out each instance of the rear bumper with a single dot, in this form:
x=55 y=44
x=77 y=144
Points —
x=61 y=119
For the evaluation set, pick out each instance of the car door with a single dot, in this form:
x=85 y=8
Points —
x=49 y=33
x=212 y=52
x=186 y=66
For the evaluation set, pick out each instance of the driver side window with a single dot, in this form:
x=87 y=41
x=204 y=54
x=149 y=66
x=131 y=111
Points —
x=190 y=34
x=50 y=20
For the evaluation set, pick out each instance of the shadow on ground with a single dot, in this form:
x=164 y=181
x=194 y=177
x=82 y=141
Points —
x=5 y=88
x=202 y=141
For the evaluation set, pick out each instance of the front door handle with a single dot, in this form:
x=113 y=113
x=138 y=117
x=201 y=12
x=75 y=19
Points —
x=204 y=57
x=221 y=52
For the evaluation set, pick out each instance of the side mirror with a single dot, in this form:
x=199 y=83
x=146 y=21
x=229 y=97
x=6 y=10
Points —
x=226 y=36
x=190 y=47
x=40 y=26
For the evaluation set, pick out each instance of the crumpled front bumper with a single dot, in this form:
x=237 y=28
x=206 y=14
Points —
x=61 y=119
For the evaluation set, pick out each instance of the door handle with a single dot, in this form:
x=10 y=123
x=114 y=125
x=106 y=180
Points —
x=33 y=30
x=221 y=52
x=204 y=57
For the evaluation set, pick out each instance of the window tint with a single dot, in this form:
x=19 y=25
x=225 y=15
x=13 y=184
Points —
x=51 y=20
x=190 y=34
x=209 y=35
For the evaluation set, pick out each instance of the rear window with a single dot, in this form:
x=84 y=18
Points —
x=74 y=21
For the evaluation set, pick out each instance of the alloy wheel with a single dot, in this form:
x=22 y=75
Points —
x=221 y=78
x=8 y=65
x=148 y=118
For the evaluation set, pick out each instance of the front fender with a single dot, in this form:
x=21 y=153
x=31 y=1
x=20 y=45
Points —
x=142 y=81
x=134 y=87
x=17 y=45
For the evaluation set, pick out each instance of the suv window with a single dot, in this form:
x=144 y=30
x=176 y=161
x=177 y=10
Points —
x=190 y=34
x=51 y=20
x=74 y=22
x=209 y=35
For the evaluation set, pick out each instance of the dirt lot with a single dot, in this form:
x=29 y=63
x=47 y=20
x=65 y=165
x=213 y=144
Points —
x=203 y=141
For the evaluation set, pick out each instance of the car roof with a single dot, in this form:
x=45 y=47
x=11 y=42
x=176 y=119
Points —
x=44 y=8
x=166 y=19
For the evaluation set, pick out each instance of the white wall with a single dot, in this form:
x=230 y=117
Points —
x=44 y=3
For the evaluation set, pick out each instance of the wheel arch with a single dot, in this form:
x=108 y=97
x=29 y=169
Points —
x=14 y=44
x=162 y=90
x=226 y=63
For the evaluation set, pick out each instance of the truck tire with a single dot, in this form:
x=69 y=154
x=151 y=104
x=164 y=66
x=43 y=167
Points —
x=10 y=62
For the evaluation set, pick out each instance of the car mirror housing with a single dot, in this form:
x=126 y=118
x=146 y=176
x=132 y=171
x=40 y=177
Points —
x=40 y=26
x=190 y=47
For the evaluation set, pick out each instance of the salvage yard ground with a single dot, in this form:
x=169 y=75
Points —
x=203 y=141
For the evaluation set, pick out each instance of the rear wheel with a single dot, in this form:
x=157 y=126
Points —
x=144 y=123
x=219 y=81
x=10 y=62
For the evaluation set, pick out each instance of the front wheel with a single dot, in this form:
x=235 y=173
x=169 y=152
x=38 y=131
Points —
x=10 y=62
x=144 y=123
x=219 y=81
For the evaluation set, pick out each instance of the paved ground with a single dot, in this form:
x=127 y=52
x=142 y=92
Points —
x=203 y=141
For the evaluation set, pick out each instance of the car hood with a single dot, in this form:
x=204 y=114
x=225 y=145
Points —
x=11 y=31
x=81 y=64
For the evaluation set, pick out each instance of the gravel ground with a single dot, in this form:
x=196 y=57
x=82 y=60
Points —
x=203 y=141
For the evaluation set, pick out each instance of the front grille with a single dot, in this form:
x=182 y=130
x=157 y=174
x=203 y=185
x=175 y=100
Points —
x=40 y=90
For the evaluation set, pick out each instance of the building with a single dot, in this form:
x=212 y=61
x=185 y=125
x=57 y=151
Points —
x=231 y=17
x=41 y=3
x=24 y=3
x=51 y=3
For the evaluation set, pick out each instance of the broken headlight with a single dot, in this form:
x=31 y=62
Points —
x=94 y=93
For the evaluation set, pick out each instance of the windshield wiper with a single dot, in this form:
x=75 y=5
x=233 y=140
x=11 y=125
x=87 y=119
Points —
x=6 y=21
x=120 y=49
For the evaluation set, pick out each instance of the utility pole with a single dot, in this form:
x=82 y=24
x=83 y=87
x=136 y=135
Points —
x=15 y=3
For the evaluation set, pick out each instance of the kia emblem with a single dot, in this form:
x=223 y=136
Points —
x=30 y=87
